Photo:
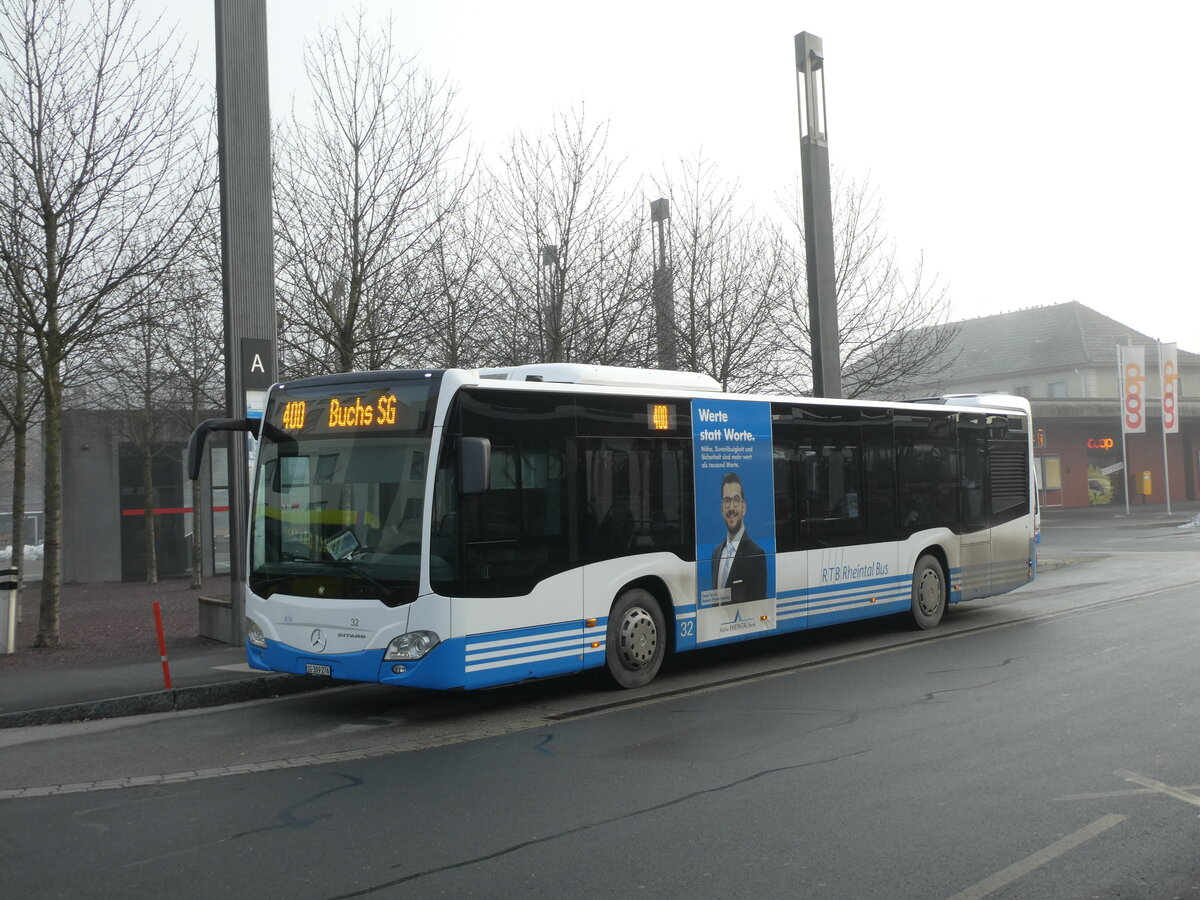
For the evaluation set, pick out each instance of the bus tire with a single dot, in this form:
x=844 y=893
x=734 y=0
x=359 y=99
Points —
x=636 y=641
x=928 y=592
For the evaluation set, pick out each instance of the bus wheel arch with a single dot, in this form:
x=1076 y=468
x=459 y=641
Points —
x=930 y=588
x=637 y=636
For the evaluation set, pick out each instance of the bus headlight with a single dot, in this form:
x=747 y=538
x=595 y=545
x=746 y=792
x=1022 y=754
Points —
x=254 y=634
x=413 y=645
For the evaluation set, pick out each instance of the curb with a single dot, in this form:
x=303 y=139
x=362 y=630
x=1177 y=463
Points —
x=194 y=697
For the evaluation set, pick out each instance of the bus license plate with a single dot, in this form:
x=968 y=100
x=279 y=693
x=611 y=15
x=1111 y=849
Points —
x=316 y=669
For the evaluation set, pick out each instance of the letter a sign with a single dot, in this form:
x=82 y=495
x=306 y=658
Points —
x=1132 y=361
x=258 y=364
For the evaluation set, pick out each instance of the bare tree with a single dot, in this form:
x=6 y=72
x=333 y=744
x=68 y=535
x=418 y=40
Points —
x=362 y=182
x=891 y=321
x=194 y=347
x=97 y=139
x=570 y=249
x=19 y=402
x=731 y=271
x=135 y=382
x=461 y=306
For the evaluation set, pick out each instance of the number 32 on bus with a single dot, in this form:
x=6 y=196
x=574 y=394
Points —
x=465 y=529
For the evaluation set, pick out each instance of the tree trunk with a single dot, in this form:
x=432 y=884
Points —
x=47 y=635
x=20 y=449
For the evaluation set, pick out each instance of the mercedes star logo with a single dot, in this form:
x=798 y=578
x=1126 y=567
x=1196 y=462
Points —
x=318 y=640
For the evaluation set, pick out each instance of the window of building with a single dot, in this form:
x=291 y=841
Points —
x=1057 y=389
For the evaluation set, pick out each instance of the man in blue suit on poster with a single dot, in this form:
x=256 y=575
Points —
x=738 y=563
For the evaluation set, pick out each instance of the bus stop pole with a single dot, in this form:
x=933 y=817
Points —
x=8 y=615
x=247 y=260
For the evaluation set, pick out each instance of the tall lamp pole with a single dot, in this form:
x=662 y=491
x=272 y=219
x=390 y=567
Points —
x=664 y=286
x=553 y=308
x=818 y=217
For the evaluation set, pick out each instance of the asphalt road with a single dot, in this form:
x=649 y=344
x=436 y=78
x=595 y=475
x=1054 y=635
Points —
x=1101 y=532
x=1040 y=744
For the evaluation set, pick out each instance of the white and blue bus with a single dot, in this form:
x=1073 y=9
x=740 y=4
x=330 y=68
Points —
x=465 y=529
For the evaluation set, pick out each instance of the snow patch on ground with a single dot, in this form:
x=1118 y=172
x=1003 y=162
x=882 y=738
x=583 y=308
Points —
x=31 y=552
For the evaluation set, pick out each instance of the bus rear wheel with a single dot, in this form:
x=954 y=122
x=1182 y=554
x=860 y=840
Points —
x=928 y=592
x=636 y=640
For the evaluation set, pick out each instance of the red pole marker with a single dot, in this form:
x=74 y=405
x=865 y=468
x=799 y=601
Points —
x=162 y=646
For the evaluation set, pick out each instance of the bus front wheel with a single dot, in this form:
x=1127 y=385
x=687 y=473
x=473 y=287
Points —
x=636 y=640
x=928 y=592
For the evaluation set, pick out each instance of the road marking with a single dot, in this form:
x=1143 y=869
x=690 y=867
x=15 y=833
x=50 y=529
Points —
x=1020 y=869
x=1110 y=795
x=1158 y=787
x=113 y=784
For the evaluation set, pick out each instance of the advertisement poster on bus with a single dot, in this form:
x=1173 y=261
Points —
x=735 y=519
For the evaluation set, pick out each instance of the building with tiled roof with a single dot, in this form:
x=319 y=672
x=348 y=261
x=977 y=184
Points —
x=1066 y=350
x=1064 y=359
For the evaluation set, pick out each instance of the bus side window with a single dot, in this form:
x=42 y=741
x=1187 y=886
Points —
x=638 y=492
x=927 y=471
x=831 y=485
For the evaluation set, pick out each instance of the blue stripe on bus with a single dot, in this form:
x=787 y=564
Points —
x=480 y=660
x=862 y=583
x=845 y=601
x=500 y=657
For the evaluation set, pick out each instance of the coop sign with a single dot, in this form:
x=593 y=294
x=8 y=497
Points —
x=1100 y=443
x=1169 y=356
x=1133 y=389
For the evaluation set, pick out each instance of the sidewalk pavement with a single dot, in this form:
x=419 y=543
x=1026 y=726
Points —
x=108 y=663
x=1140 y=515
x=65 y=688
x=101 y=690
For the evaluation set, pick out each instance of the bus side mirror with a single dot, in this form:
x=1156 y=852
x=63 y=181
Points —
x=200 y=435
x=474 y=465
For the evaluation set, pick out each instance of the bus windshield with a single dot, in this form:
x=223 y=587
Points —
x=341 y=491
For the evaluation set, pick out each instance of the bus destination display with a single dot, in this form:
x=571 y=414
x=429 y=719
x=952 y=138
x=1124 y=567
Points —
x=335 y=414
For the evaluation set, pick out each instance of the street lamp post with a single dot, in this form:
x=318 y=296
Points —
x=818 y=217
x=664 y=286
x=552 y=313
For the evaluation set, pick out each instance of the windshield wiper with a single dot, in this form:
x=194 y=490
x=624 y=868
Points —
x=386 y=594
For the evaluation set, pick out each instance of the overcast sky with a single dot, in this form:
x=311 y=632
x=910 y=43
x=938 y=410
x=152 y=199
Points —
x=1034 y=152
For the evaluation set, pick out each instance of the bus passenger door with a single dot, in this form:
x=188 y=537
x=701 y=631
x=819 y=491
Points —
x=519 y=600
x=790 y=561
x=976 y=541
x=635 y=521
